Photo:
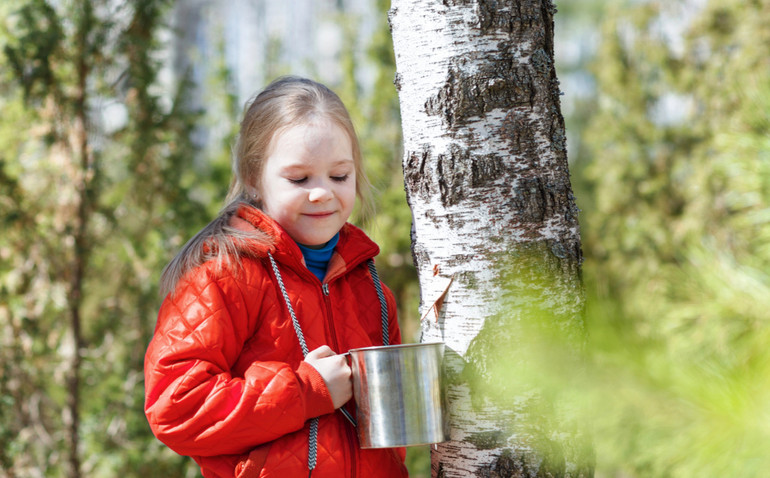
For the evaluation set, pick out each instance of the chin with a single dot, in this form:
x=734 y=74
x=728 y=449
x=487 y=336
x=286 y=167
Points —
x=314 y=241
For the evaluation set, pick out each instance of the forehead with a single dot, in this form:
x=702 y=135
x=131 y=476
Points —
x=320 y=139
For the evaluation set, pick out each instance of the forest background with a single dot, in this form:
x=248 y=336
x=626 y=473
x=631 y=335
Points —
x=110 y=160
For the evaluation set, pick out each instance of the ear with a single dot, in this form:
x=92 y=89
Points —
x=253 y=196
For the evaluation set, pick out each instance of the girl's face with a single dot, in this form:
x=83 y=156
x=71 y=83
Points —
x=309 y=181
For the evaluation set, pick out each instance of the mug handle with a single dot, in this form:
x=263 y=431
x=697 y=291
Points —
x=342 y=409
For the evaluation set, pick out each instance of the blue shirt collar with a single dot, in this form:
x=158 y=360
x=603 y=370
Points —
x=317 y=260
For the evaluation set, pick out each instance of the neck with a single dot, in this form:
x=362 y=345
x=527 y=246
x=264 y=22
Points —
x=317 y=257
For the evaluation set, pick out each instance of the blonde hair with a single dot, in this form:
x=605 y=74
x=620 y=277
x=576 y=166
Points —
x=286 y=102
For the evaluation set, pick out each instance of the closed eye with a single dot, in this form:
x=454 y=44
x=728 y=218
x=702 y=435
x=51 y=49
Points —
x=340 y=179
x=298 y=180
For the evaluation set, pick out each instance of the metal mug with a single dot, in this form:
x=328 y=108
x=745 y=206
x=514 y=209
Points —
x=399 y=397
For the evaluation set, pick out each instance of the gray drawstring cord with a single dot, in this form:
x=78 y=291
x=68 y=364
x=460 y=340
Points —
x=313 y=439
x=383 y=304
x=294 y=320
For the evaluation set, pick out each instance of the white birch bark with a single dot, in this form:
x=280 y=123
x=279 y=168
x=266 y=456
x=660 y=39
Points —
x=486 y=174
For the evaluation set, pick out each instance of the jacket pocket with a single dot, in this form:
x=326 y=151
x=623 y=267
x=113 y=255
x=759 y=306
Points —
x=251 y=464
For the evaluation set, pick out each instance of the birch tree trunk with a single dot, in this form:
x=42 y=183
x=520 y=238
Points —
x=486 y=175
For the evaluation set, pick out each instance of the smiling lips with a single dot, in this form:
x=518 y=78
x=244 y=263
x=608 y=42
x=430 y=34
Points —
x=319 y=215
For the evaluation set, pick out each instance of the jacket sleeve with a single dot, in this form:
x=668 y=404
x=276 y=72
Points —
x=193 y=402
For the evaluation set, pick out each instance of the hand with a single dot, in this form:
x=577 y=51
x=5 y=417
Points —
x=335 y=371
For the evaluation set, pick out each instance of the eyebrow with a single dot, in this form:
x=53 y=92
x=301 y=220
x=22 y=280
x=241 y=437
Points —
x=302 y=165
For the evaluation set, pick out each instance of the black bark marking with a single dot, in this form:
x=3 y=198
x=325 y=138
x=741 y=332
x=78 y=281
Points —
x=541 y=62
x=462 y=172
x=527 y=465
x=485 y=169
x=460 y=175
x=519 y=131
x=507 y=465
x=558 y=134
x=415 y=181
x=548 y=461
x=509 y=16
x=454 y=176
x=535 y=200
x=499 y=85
x=391 y=14
x=449 y=172
x=506 y=80
x=547 y=11
x=419 y=254
x=488 y=440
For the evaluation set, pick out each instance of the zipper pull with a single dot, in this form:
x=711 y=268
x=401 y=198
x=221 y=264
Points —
x=325 y=289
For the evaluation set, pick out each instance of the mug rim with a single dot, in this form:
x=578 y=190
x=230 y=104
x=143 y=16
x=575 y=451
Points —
x=397 y=346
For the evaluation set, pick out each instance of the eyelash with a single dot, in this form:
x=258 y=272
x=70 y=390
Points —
x=339 y=179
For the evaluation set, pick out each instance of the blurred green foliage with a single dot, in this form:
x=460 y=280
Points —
x=96 y=184
x=675 y=225
x=671 y=172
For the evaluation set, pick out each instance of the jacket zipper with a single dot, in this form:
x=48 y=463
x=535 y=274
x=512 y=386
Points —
x=329 y=317
x=330 y=320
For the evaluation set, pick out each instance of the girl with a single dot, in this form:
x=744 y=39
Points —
x=243 y=372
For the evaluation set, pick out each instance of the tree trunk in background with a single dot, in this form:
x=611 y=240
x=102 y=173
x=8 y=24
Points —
x=84 y=171
x=486 y=174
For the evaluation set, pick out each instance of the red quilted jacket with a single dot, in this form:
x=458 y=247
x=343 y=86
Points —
x=225 y=380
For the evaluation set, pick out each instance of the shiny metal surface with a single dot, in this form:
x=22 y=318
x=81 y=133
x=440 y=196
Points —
x=399 y=395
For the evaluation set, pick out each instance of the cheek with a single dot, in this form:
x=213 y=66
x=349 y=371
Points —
x=351 y=194
x=354 y=187
x=274 y=200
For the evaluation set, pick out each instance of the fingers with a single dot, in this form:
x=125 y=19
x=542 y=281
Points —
x=320 y=352
x=340 y=363
x=335 y=372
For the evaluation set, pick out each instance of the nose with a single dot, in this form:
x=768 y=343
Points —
x=320 y=193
